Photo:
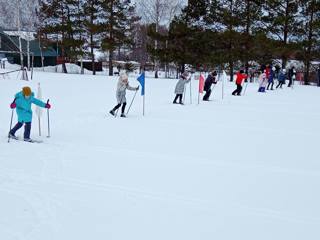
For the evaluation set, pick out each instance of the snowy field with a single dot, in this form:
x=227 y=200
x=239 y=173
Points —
x=240 y=168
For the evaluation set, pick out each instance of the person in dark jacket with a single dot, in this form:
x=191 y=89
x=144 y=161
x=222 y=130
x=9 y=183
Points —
x=291 y=76
x=271 y=78
x=211 y=79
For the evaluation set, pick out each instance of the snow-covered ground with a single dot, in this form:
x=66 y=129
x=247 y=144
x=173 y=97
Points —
x=239 y=168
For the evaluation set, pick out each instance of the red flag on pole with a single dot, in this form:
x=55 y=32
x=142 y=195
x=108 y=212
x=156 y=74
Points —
x=201 y=83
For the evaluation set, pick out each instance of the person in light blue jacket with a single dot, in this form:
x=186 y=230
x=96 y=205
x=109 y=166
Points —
x=22 y=102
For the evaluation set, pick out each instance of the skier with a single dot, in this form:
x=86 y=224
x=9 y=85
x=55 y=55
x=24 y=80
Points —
x=271 y=78
x=263 y=80
x=122 y=86
x=240 y=77
x=22 y=103
x=282 y=78
x=211 y=79
x=291 y=75
x=180 y=87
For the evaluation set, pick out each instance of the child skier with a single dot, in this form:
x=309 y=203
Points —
x=122 y=86
x=271 y=78
x=240 y=77
x=211 y=79
x=263 y=81
x=179 y=90
x=22 y=103
x=282 y=78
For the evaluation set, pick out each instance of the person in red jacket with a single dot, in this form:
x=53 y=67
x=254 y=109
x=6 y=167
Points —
x=240 y=77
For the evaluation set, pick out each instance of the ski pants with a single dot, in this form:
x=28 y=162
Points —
x=207 y=95
x=279 y=85
x=176 y=98
x=270 y=83
x=27 y=129
x=119 y=105
x=238 y=90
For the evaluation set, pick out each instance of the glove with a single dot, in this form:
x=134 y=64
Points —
x=48 y=106
x=13 y=105
x=137 y=88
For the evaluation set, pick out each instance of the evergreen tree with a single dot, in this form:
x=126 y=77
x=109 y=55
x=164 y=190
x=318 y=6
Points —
x=92 y=11
x=230 y=19
x=61 y=20
x=281 y=23
x=118 y=17
x=309 y=33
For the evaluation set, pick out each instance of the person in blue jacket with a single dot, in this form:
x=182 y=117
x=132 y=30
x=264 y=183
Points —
x=282 y=78
x=22 y=103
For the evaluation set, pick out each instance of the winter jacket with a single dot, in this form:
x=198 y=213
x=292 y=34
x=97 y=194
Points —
x=263 y=81
x=240 y=78
x=209 y=81
x=23 y=108
x=282 y=77
x=122 y=86
x=180 y=85
x=268 y=70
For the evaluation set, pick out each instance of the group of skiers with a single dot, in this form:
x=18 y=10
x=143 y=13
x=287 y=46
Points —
x=25 y=98
x=267 y=75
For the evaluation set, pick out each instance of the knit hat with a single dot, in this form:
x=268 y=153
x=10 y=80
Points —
x=26 y=91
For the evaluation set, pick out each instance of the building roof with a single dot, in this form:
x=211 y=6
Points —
x=6 y=43
x=34 y=47
x=11 y=43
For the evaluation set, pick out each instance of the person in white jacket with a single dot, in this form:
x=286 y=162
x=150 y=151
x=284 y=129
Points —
x=122 y=86
x=263 y=82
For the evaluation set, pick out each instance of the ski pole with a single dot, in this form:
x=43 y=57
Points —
x=48 y=121
x=134 y=96
x=190 y=91
x=11 y=122
x=245 y=88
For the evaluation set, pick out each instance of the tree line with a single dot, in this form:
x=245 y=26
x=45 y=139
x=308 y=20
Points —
x=202 y=33
x=235 y=33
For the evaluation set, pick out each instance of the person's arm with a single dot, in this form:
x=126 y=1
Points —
x=38 y=102
x=132 y=88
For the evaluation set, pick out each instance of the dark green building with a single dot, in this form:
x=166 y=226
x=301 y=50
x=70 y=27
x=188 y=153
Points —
x=9 y=48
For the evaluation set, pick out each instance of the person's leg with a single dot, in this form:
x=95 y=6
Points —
x=180 y=98
x=27 y=130
x=207 y=95
x=235 y=91
x=239 y=89
x=268 y=85
x=123 y=107
x=272 y=83
x=16 y=128
x=176 y=98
